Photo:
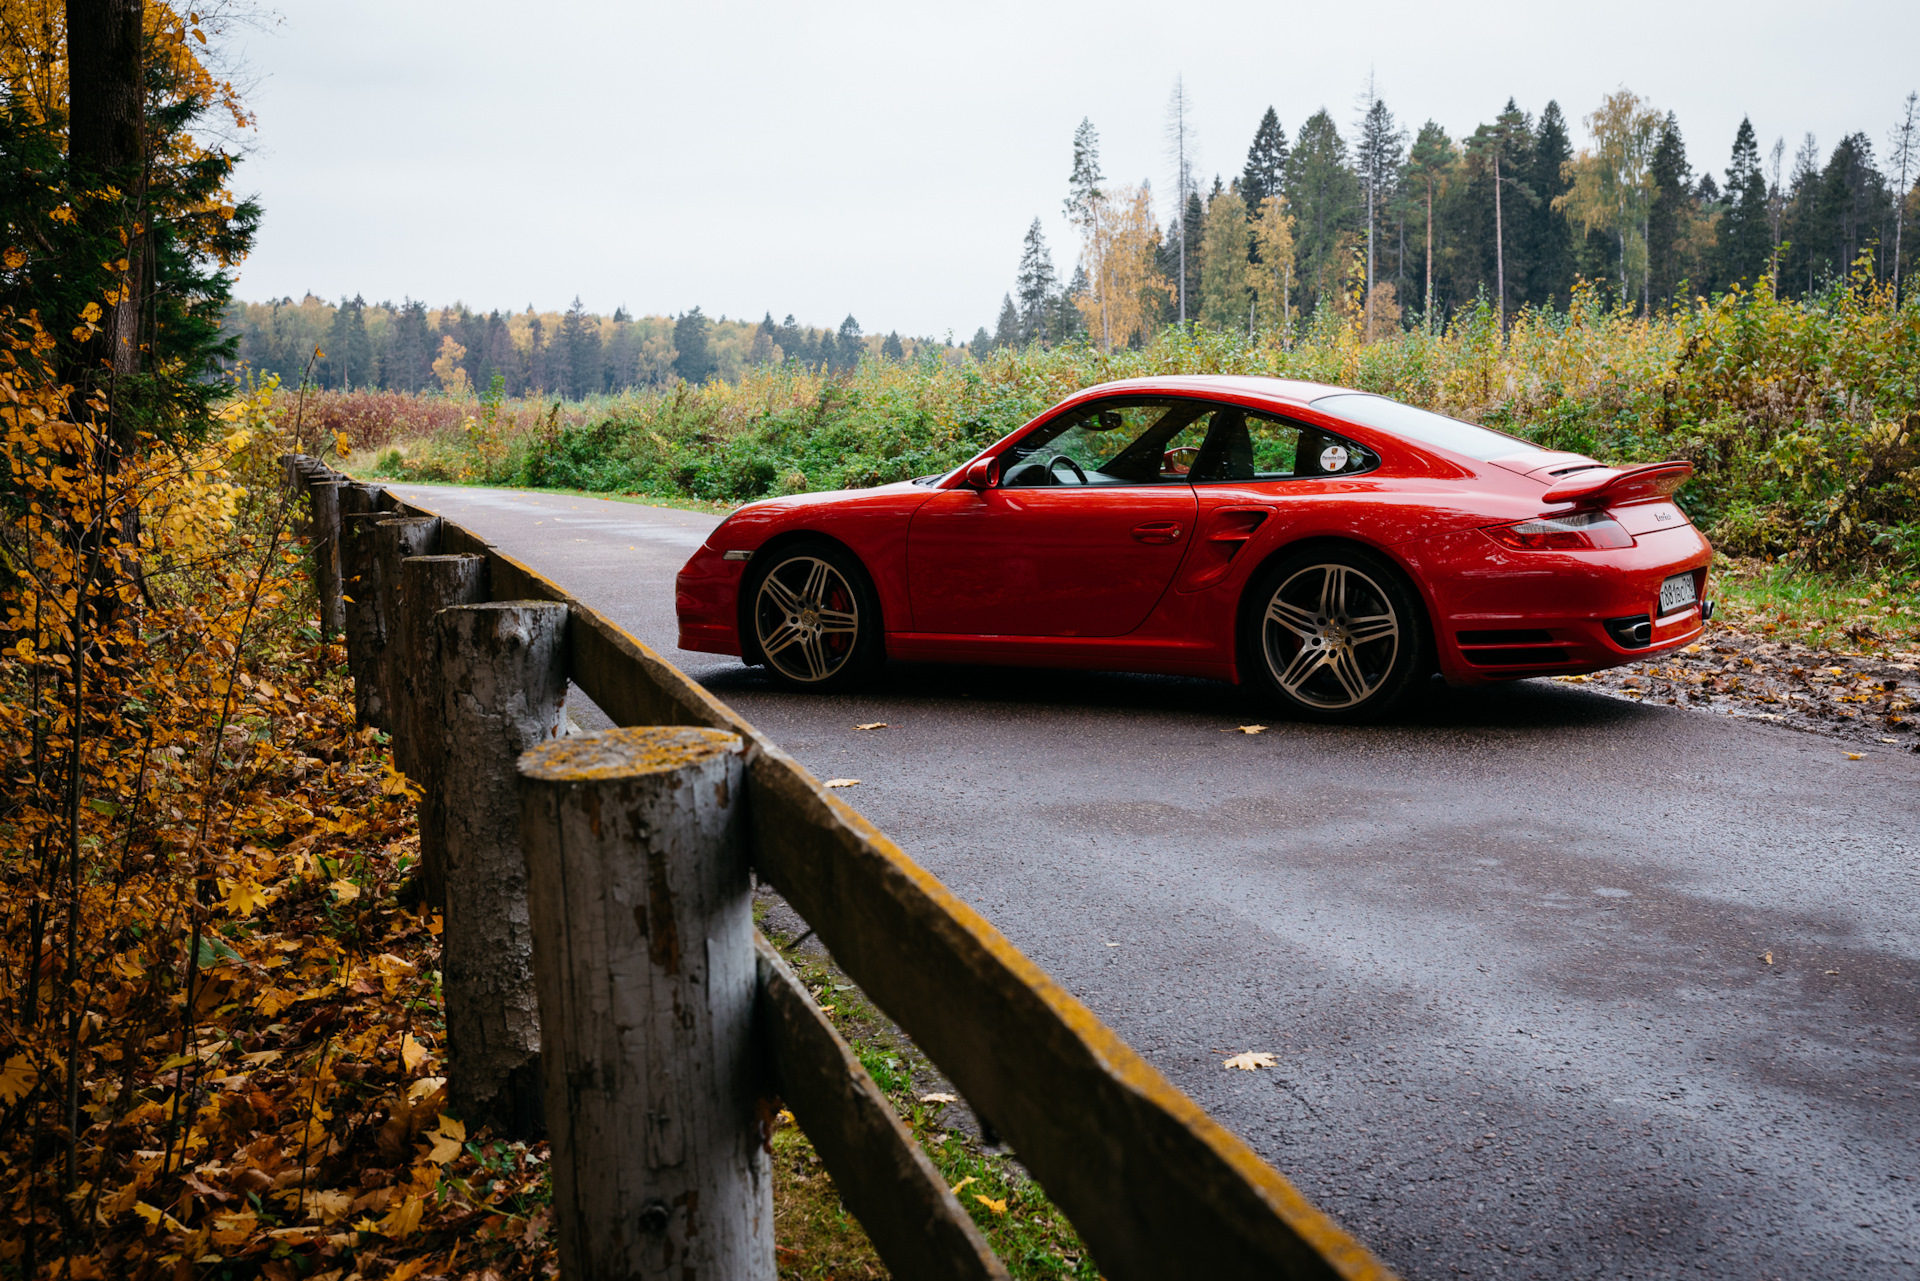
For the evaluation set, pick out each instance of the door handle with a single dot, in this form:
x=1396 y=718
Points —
x=1157 y=531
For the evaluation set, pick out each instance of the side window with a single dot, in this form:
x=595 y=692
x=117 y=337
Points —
x=1130 y=442
x=1245 y=445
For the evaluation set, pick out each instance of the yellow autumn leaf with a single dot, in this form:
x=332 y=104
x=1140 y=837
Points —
x=232 y=1229
x=412 y=1053
x=842 y=782
x=1253 y=729
x=342 y=445
x=958 y=1187
x=245 y=897
x=344 y=890
x=1251 y=1059
x=403 y=1220
x=329 y=1207
x=447 y=1139
x=998 y=1207
x=872 y=725
x=17 y=1077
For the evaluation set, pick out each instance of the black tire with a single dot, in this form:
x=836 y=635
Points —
x=809 y=615
x=1334 y=633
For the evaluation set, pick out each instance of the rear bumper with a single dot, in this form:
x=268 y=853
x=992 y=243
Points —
x=1517 y=614
x=706 y=598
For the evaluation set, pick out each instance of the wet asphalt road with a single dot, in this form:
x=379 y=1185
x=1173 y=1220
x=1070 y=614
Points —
x=1560 y=986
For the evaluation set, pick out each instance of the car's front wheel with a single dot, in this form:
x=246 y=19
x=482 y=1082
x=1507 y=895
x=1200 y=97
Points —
x=813 y=616
x=1335 y=634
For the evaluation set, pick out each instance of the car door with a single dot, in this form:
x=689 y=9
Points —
x=1088 y=553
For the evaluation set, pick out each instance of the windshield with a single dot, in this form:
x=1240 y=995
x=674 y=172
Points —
x=1423 y=426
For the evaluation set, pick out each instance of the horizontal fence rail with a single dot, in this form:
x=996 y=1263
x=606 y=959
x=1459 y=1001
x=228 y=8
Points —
x=1154 y=1186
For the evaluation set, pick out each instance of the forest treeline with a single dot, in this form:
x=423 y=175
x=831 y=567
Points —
x=576 y=354
x=1405 y=228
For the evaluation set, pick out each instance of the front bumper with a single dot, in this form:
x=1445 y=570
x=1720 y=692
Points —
x=706 y=596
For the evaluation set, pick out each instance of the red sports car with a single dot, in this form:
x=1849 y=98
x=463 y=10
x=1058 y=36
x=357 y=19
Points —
x=1330 y=547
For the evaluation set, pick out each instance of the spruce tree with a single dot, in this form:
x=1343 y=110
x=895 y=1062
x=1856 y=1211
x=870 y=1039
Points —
x=1667 y=214
x=692 y=352
x=1193 y=232
x=760 y=351
x=1007 y=332
x=1266 y=171
x=1548 y=239
x=580 y=336
x=1324 y=197
x=349 y=360
x=851 y=345
x=982 y=344
x=1034 y=285
x=1378 y=159
x=893 y=348
x=1083 y=183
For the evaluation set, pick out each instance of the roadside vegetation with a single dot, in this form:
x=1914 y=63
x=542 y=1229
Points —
x=1801 y=418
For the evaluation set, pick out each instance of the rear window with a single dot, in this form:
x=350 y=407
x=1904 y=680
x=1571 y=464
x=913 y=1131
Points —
x=1422 y=425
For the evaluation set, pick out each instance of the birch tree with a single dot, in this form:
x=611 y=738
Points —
x=1612 y=184
x=1273 y=236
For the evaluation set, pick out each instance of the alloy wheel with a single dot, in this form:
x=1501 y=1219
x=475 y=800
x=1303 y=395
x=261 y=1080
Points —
x=807 y=619
x=1330 y=636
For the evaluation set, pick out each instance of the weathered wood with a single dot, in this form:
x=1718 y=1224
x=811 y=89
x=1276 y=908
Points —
x=503 y=689
x=643 y=959
x=881 y=1173
x=360 y=586
x=324 y=498
x=395 y=539
x=1154 y=1186
x=429 y=584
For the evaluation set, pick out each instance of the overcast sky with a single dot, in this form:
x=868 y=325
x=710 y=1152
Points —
x=886 y=159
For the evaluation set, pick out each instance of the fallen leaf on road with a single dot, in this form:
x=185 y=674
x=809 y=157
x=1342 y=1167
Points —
x=1854 y=756
x=842 y=782
x=1250 y=1060
x=963 y=1183
x=998 y=1207
x=1835 y=972
x=939 y=1098
x=1768 y=958
x=1253 y=729
x=883 y=725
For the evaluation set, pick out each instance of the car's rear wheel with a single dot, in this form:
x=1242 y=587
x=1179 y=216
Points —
x=813 y=616
x=1335 y=633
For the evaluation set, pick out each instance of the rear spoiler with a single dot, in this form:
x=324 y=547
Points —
x=1612 y=485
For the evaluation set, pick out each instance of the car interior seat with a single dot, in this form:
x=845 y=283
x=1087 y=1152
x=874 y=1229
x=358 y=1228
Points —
x=1227 y=453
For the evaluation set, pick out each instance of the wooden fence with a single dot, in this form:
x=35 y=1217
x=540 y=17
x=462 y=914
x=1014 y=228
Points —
x=615 y=869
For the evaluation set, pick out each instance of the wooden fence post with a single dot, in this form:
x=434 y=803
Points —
x=501 y=672
x=324 y=496
x=644 y=962
x=395 y=539
x=429 y=584
x=360 y=575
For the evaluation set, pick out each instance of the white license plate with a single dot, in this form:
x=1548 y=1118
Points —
x=1676 y=593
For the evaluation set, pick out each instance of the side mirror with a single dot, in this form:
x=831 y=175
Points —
x=983 y=474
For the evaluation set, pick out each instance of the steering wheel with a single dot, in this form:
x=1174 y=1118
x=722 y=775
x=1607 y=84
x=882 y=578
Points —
x=1057 y=459
x=1180 y=460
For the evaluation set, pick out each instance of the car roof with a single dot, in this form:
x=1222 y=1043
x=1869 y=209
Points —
x=1292 y=391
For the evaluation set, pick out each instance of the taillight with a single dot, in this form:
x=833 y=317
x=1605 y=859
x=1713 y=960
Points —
x=1575 y=531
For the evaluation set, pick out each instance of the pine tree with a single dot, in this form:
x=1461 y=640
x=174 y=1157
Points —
x=1190 y=256
x=982 y=344
x=349 y=361
x=1501 y=153
x=537 y=381
x=1034 y=285
x=1266 y=171
x=407 y=364
x=791 y=340
x=1429 y=166
x=893 y=348
x=1083 y=183
x=692 y=351
x=762 y=350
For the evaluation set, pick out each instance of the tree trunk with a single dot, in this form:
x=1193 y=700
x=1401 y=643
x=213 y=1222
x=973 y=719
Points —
x=106 y=147
x=643 y=957
x=360 y=584
x=429 y=584
x=1429 y=316
x=1499 y=246
x=396 y=539
x=502 y=680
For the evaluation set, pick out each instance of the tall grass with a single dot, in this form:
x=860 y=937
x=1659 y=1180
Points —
x=1802 y=418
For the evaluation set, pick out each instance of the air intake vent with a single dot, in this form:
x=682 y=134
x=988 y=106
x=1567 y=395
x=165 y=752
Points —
x=1517 y=636
x=1544 y=656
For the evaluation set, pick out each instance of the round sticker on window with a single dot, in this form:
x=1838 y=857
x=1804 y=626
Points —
x=1333 y=458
